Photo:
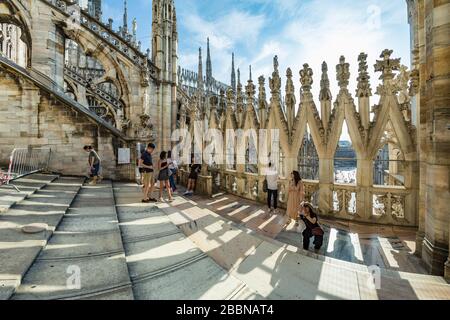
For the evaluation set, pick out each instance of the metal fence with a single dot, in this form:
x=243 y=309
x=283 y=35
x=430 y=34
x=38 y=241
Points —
x=25 y=161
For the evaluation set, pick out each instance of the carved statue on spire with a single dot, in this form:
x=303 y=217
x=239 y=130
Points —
x=387 y=66
x=325 y=93
x=290 y=90
x=275 y=81
x=343 y=73
x=262 y=98
x=134 y=23
x=306 y=78
x=364 y=90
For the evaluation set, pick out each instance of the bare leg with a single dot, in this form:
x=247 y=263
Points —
x=151 y=187
x=161 y=187
x=146 y=189
x=169 y=189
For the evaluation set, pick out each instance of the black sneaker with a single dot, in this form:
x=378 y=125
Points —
x=146 y=201
x=152 y=200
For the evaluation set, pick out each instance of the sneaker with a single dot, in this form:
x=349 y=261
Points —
x=146 y=201
x=170 y=200
x=153 y=200
x=161 y=200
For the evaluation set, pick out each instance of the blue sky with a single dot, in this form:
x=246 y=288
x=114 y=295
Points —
x=298 y=31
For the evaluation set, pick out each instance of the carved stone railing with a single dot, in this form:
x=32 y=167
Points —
x=369 y=128
x=344 y=200
x=72 y=73
x=107 y=35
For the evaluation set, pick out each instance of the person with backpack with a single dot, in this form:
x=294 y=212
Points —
x=313 y=229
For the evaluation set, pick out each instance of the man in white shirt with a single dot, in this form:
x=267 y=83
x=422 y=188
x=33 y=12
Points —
x=272 y=189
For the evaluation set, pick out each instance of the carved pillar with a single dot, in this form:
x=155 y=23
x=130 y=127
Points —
x=435 y=119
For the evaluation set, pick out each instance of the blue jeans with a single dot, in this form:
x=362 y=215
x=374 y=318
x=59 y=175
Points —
x=172 y=180
x=95 y=170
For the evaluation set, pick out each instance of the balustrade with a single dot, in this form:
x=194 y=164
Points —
x=310 y=140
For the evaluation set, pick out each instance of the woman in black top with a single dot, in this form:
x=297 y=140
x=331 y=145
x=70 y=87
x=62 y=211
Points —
x=310 y=219
x=193 y=177
x=163 y=176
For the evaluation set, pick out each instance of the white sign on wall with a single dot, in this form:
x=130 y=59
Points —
x=124 y=156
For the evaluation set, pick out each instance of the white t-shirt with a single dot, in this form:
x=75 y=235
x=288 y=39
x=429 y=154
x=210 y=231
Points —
x=272 y=179
x=172 y=164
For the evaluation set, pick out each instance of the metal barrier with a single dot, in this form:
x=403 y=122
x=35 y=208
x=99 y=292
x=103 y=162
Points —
x=25 y=161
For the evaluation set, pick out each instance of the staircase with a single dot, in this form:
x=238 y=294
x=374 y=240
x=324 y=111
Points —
x=101 y=242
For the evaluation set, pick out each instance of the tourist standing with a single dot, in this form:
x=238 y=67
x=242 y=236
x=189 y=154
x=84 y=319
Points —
x=272 y=189
x=163 y=176
x=193 y=177
x=312 y=229
x=295 y=196
x=94 y=165
x=173 y=170
x=146 y=164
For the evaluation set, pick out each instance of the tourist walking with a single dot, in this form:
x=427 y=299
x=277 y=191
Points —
x=193 y=177
x=163 y=176
x=295 y=197
x=146 y=164
x=313 y=228
x=173 y=170
x=272 y=190
x=94 y=165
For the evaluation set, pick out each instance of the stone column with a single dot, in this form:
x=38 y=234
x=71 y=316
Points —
x=364 y=181
x=435 y=128
x=421 y=126
x=326 y=177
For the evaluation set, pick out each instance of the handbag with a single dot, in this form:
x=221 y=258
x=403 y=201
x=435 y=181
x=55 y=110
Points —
x=317 y=231
x=265 y=186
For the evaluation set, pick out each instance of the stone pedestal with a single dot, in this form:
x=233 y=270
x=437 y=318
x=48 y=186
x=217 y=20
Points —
x=435 y=257
x=204 y=185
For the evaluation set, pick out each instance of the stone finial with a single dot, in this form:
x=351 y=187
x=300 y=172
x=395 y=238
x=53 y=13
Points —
x=387 y=65
x=363 y=89
x=290 y=90
x=239 y=94
x=262 y=92
x=275 y=64
x=306 y=78
x=250 y=91
x=343 y=73
x=275 y=81
x=230 y=99
x=325 y=93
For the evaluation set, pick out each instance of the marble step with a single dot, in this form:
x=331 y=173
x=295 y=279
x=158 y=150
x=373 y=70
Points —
x=27 y=185
x=87 y=242
x=18 y=250
x=163 y=262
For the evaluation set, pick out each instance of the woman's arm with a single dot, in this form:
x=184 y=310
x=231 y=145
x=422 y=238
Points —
x=312 y=220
